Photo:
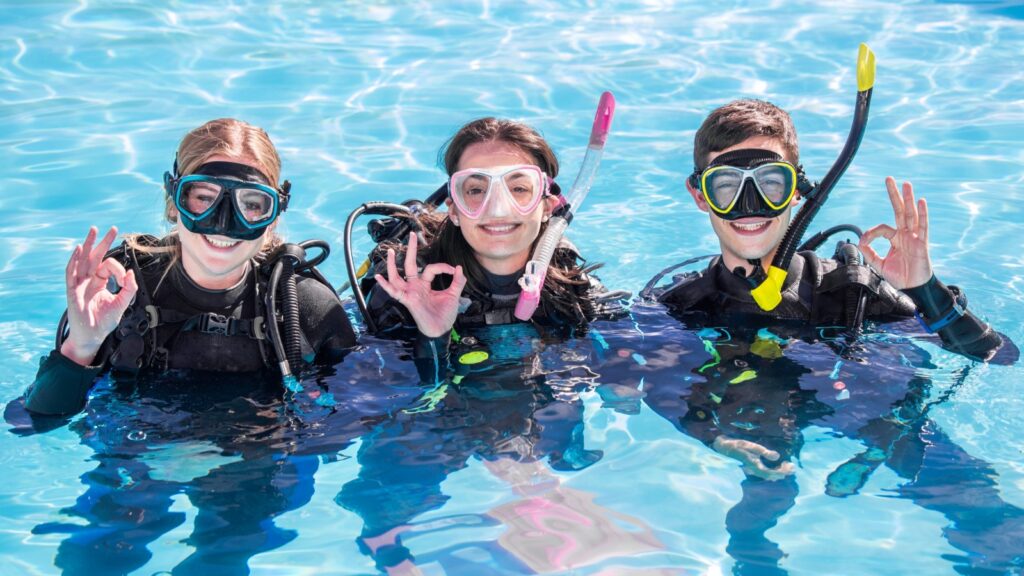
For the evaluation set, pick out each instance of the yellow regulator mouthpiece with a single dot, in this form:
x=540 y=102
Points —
x=769 y=293
x=865 y=68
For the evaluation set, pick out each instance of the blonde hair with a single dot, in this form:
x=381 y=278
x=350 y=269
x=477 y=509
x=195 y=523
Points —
x=221 y=137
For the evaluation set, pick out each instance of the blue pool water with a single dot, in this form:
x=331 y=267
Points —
x=552 y=464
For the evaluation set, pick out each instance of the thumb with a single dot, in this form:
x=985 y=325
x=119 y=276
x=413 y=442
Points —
x=458 y=282
x=129 y=288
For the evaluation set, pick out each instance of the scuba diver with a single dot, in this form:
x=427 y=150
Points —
x=748 y=178
x=500 y=196
x=205 y=297
x=760 y=393
x=489 y=398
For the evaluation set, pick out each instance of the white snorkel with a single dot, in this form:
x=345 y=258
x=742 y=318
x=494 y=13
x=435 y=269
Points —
x=537 y=268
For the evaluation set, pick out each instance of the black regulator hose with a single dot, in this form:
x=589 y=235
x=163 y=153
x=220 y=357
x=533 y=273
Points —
x=350 y=264
x=815 y=242
x=287 y=346
x=768 y=294
x=856 y=299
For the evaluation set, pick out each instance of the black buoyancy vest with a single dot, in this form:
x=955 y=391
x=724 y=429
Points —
x=816 y=290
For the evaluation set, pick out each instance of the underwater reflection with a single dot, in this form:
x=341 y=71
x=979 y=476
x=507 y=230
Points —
x=748 y=392
x=524 y=424
x=241 y=450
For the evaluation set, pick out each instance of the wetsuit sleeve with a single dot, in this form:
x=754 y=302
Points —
x=61 y=386
x=430 y=355
x=324 y=321
x=967 y=334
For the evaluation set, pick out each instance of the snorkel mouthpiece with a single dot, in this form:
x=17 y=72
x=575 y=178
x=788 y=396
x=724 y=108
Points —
x=768 y=294
x=537 y=268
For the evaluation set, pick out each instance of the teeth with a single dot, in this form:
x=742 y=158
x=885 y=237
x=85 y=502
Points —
x=757 y=226
x=221 y=243
x=505 y=228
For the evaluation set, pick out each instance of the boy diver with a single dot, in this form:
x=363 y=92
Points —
x=747 y=177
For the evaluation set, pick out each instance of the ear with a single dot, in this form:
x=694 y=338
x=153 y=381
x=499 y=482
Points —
x=697 y=196
x=550 y=204
x=453 y=212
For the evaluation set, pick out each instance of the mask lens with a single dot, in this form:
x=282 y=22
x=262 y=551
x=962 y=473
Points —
x=722 y=185
x=199 y=197
x=777 y=183
x=254 y=205
x=524 y=186
x=472 y=189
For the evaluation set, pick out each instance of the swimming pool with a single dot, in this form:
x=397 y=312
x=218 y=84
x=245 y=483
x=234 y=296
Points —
x=359 y=97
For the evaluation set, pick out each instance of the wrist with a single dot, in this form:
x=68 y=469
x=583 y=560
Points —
x=81 y=354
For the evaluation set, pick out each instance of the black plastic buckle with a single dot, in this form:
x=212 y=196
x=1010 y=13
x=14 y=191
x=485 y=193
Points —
x=215 y=324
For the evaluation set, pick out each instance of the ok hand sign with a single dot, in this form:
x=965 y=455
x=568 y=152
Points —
x=93 y=311
x=433 y=310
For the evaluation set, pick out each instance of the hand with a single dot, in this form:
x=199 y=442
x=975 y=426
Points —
x=907 y=264
x=93 y=311
x=433 y=310
x=750 y=454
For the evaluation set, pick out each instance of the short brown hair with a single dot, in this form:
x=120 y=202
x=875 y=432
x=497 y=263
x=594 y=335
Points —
x=741 y=119
x=499 y=130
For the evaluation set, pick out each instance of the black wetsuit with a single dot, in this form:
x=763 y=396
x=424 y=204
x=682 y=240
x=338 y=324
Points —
x=821 y=291
x=190 y=341
x=495 y=307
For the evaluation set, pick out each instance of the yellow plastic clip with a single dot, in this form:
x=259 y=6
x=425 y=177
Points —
x=769 y=293
x=865 y=68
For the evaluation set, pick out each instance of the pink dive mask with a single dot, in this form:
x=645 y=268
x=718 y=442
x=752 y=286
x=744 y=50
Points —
x=523 y=186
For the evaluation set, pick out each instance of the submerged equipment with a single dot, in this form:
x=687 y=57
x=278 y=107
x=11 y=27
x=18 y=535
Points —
x=768 y=294
x=226 y=199
x=537 y=267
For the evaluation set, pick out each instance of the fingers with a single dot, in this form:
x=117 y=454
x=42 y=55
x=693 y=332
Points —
x=875 y=232
x=870 y=255
x=458 y=282
x=391 y=290
x=922 y=221
x=894 y=199
x=111 y=268
x=432 y=270
x=392 y=268
x=909 y=208
x=82 y=269
x=129 y=286
x=411 y=270
x=92 y=254
x=71 y=271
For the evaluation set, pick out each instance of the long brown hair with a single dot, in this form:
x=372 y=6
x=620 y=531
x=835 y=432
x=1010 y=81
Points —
x=227 y=137
x=564 y=288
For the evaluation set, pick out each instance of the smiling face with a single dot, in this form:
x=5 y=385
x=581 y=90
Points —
x=217 y=262
x=501 y=236
x=751 y=237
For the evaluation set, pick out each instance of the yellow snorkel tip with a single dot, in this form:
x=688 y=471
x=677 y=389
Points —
x=363 y=269
x=865 y=68
x=768 y=294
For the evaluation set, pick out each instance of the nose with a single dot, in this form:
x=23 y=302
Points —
x=750 y=200
x=499 y=205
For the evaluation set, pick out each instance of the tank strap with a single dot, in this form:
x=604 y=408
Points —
x=220 y=325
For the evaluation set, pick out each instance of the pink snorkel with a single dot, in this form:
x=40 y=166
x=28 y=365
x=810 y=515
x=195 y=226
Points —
x=537 y=268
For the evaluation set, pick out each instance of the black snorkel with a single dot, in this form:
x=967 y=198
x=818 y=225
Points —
x=768 y=294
